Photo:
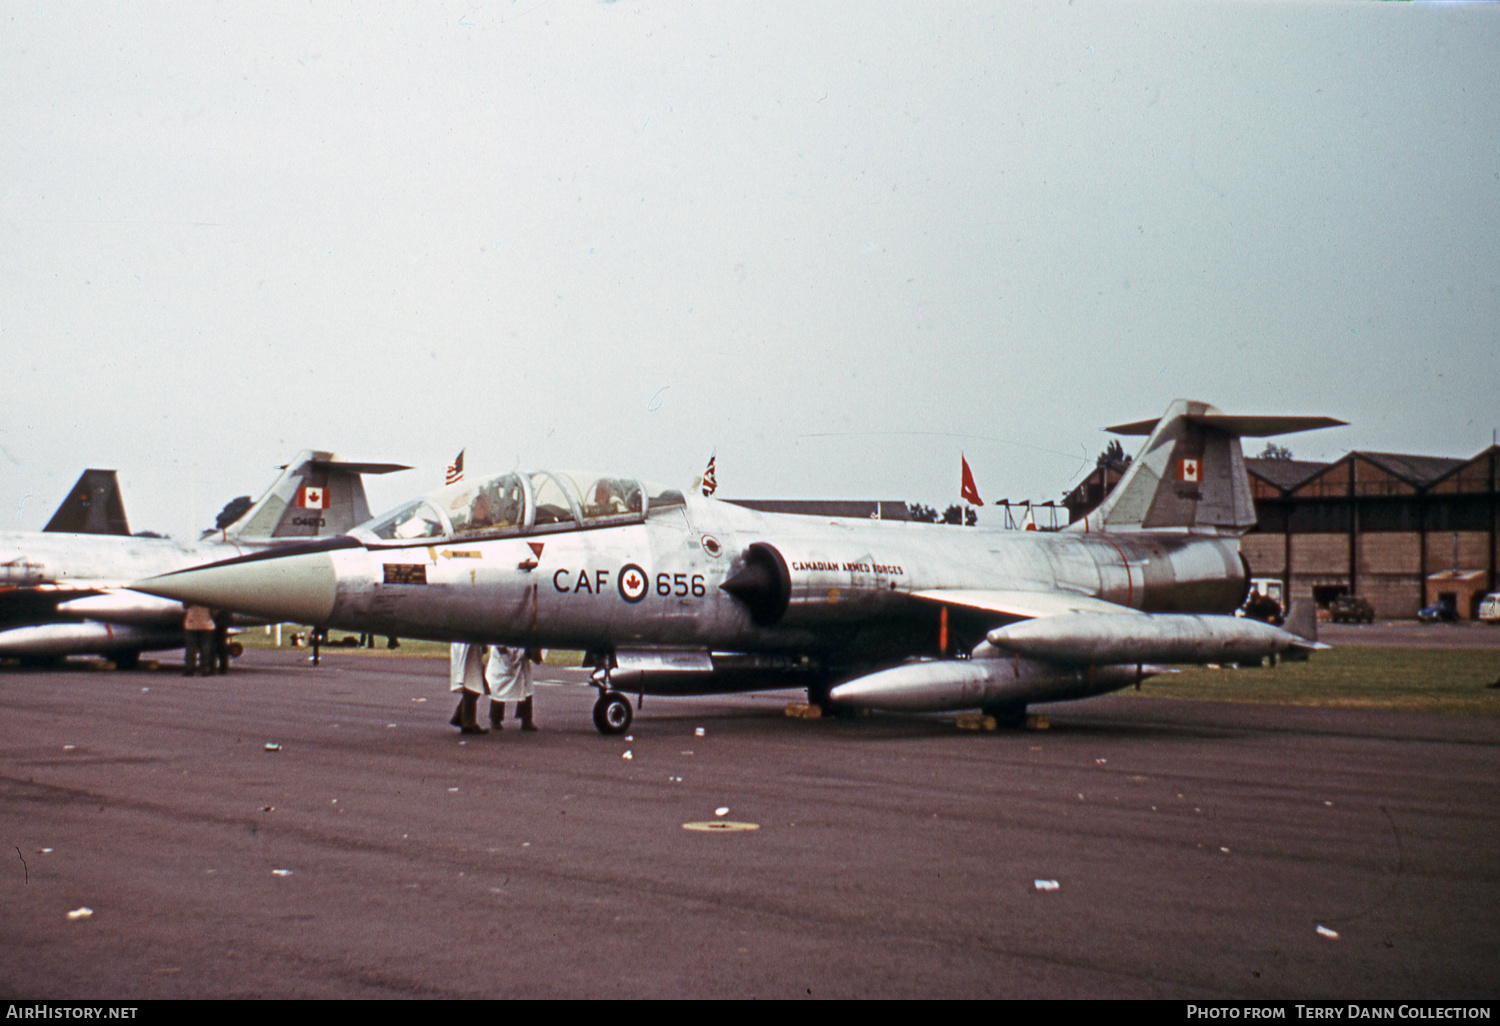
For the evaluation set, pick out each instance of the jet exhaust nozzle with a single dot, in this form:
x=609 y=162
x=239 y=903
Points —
x=763 y=583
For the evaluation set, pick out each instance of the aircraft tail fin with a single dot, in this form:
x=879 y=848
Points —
x=316 y=496
x=1190 y=475
x=92 y=507
x=1302 y=619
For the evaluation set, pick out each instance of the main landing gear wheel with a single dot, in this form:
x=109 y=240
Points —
x=1007 y=714
x=612 y=713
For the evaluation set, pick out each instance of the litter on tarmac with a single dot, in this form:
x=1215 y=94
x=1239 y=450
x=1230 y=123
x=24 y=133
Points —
x=1046 y=885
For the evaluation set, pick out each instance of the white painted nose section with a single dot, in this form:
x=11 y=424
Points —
x=296 y=588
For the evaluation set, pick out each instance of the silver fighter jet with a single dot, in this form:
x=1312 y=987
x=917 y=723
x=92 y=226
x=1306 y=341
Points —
x=62 y=591
x=679 y=594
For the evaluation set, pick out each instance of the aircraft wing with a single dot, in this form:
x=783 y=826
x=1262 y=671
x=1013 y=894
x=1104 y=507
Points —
x=1060 y=627
x=37 y=603
x=1024 y=605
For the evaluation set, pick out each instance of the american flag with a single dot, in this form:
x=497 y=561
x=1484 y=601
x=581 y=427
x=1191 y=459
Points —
x=456 y=469
x=710 y=485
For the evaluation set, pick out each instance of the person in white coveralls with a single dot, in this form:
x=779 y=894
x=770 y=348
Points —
x=466 y=676
x=508 y=675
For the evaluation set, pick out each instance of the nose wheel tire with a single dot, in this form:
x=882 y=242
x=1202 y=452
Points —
x=612 y=713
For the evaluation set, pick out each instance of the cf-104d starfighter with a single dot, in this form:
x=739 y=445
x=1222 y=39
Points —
x=678 y=594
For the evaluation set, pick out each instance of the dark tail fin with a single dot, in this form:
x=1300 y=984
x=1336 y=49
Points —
x=1302 y=619
x=92 y=507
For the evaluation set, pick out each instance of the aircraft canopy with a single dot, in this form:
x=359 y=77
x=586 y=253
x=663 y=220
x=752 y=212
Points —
x=520 y=503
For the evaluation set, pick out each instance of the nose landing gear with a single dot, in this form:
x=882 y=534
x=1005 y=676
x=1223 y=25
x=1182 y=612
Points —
x=612 y=712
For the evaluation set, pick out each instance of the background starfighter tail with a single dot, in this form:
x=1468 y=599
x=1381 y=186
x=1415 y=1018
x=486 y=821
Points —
x=1190 y=475
x=92 y=507
x=315 y=497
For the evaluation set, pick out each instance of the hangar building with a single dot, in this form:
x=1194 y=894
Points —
x=1401 y=531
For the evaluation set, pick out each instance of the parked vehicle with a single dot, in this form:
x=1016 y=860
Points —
x=1262 y=607
x=1351 y=609
x=1489 y=608
x=1439 y=612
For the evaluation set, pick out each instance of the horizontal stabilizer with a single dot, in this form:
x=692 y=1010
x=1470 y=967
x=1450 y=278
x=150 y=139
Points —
x=317 y=496
x=1190 y=475
x=1240 y=427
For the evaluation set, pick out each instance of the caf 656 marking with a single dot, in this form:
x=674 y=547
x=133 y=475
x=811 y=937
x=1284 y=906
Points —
x=670 y=593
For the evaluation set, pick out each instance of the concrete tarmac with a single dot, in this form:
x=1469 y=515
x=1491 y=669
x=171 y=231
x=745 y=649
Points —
x=1140 y=848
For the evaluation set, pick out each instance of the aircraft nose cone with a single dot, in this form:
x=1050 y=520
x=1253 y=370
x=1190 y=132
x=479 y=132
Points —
x=298 y=585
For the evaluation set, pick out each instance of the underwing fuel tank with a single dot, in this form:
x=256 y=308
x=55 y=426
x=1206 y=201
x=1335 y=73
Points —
x=125 y=607
x=60 y=639
x=1098 y=638
x=938 y=685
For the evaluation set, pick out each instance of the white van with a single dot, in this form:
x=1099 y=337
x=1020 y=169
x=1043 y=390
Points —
x=1489 y=608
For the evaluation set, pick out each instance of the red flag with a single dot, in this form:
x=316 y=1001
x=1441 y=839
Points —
x=968 y=492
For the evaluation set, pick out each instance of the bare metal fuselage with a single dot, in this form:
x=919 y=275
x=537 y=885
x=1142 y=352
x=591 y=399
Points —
x=65 y=594
x=851 y=585
x=84 y=561
x=683 y=594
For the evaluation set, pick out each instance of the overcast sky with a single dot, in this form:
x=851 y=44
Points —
x=838 y=243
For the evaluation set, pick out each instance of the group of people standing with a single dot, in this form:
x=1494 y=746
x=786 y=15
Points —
x=205 y=641
x=505 y=676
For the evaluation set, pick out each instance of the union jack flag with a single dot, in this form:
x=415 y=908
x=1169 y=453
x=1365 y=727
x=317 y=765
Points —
x=710 y=484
